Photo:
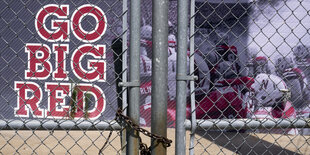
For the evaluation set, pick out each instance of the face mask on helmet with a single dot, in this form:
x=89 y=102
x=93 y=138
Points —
x=269 y=90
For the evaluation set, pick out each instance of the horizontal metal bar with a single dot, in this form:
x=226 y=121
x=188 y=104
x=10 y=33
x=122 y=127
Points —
x=226 y=1
x=113 y=125
x=58 y=125
x=186 y=78
x=130 y=84
x=250 y=123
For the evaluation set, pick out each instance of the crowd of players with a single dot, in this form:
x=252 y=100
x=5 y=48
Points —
x=224 y=91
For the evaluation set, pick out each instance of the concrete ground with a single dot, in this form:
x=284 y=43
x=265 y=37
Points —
x=89 y=142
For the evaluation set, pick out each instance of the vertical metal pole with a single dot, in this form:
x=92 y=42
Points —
x=181 y=72
x=134 y=75
x=159 y=73
x=192 y=83
x=124 y=75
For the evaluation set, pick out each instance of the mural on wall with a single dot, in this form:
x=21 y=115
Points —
x=57 y=60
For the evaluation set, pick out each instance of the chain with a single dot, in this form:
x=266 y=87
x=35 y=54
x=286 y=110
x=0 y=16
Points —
x=143 y=147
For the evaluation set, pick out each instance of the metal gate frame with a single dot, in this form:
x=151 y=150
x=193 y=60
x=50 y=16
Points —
x=183 y=124
x=133 y=108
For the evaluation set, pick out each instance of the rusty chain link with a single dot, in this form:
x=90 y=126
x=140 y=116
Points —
x=144 y=150
x=142 y=146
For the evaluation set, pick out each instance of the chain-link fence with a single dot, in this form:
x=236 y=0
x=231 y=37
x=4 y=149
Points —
x=58 y=76
x=237 y=76
x=251 y=59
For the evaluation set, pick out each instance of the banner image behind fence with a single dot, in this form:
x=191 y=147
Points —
x=64 y=60
x=69 y=59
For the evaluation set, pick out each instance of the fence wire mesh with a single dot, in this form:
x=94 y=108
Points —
x=62 y=61
x=59 y=72
x=251 y=61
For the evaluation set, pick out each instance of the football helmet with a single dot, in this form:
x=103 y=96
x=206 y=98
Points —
x=282 y=64
x=261 y=65
x=146 y=36
x=146 y=32
x=269 y=90
x=172 y=41
x=300 y=52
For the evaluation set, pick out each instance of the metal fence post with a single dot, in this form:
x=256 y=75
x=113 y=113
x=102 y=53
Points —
x=192 y=83
x=124 y=68
x=134 y=92
x=159 y=73
x=181 y=77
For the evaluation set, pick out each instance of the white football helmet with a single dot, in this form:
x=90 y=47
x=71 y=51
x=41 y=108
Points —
x=282 y=64
x=146 y=37
x=300 y=52
x=269 y=90
x=261 y=65
x=261 y=60
x=172 y=41
x=146 y=32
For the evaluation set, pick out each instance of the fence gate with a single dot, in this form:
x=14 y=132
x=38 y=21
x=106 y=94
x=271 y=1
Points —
x=235 y=76
x=251 y=95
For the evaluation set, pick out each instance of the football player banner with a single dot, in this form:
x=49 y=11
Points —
x=62 y=80
x=63 y=66
x=234 y=77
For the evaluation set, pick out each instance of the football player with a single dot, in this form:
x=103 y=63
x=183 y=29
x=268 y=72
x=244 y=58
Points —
x=270 y=97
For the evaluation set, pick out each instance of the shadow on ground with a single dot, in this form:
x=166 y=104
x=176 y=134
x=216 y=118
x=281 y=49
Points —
x=244 y=143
